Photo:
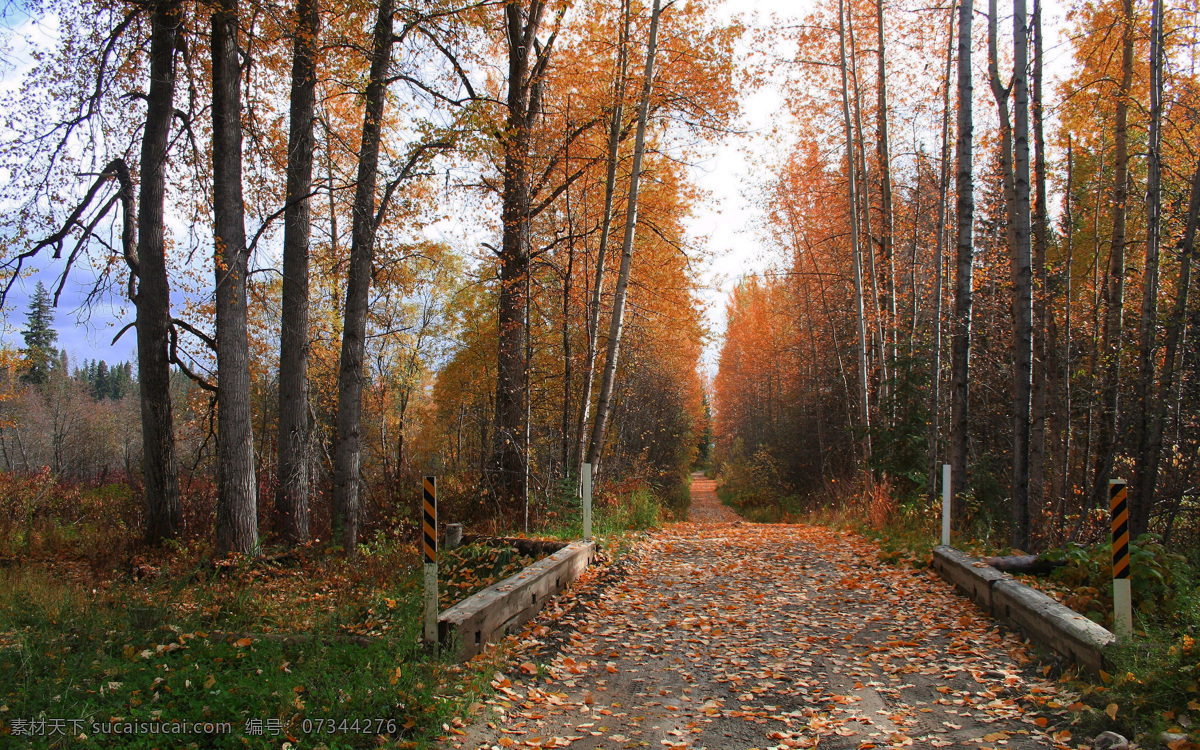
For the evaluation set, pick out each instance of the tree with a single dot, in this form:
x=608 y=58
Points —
x=616 y=321
x=40 y=337
x=1147 y=429
x=292 y=495
x=960 y=352
x=864 y=407
x=1022 y=273
x=152 y=297
x=1114 y=284
x=347 y=449
x=237 y=491
x=616 y=123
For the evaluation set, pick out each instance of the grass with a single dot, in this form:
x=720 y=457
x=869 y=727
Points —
x=82 y=656
x=97 y=633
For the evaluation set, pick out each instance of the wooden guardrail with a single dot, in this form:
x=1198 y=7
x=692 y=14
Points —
x=501 y=608
x=1040 y=617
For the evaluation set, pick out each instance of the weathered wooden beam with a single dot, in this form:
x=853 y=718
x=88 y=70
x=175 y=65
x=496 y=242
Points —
x=498 y=610
x=1039 y=616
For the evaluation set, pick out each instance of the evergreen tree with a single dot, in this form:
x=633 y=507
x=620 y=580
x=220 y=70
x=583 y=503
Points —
x=40 y=337
x=101 y=382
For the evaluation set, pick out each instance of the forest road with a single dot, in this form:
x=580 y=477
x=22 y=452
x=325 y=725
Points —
x=722 y=634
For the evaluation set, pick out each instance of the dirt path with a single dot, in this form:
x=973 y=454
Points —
x=706 y=507
x=738 y=635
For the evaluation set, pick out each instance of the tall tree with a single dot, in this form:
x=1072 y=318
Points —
x=938 y=258
x=883 y=147
x=864 y=410
x=528 y=60
x=152 y=297
x=1022 y=272
x=348 y=448
x=292 y=495
x=1045 y=375
x=960 y=354
x=1146 y=469
x=616 y=123
x=616 y=322
x=237 y=496
x=1114 y=282
x=40 y=337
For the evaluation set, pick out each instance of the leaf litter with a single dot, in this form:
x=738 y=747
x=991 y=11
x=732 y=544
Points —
x=736 y=635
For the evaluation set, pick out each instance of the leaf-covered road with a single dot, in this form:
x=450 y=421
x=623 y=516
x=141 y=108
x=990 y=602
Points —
x=734 y=635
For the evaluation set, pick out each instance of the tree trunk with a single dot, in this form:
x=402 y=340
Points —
x=348 y=447
x=852 y=195
x=615 y=327
x=526 y=66
x=863 y=191
x=960 y=355
x=1146 y=470
x=1175 y=331
x=237 y=497
x=292 y=496
x=1022 y=271
x=153 y=298
x=939 y=281
x=1063 y=483
x=1044 y=373
x=1114 y=286
x=610 y=183
x=887 y=221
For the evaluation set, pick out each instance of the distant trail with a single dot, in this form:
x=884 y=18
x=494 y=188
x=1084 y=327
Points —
x=738 y=635
x=706 y=507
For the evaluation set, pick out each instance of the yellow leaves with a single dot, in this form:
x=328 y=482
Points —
x=1105 y=677
x=995 y=737
x=1111 y=711
x=394 y=677
x=209 y=682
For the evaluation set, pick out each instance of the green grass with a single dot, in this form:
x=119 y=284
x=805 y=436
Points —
x=68 y=654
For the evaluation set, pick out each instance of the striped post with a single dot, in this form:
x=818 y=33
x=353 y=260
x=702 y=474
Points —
x=431 y=582
x=587 y=502
x=1122 y=596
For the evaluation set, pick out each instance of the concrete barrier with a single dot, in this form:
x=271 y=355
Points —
x=500 y=609
x=1039 y=616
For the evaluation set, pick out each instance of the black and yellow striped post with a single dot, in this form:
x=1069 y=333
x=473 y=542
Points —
x=430 y=547
x=1122 y=597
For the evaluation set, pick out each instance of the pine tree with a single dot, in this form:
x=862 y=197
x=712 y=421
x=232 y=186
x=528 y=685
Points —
x=101 y=385
x=40 y=337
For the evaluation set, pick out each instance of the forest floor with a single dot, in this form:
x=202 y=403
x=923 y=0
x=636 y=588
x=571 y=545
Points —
x=717 y=633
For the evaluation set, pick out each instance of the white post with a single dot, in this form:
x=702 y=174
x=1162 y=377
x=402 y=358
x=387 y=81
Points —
x=946 y=505
x=587 y=502
x=431 y=603
x=1122 y=607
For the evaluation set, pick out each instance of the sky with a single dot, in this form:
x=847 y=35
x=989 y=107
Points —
x=727 y=222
